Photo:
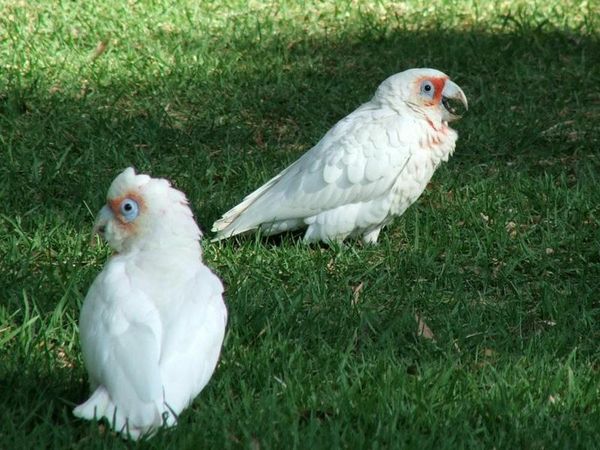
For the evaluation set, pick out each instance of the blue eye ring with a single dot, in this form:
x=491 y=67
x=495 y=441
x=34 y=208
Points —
x=129 y=209
x=427 y=88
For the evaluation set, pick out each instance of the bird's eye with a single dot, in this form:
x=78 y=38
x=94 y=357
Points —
x=427 y=88
x=129 y=209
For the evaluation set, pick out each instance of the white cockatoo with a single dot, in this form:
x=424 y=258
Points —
x=371 y=166
x=153 y=321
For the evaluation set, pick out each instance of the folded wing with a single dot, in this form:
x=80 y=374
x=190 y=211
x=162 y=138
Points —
x=356 y=161
x=121 y=338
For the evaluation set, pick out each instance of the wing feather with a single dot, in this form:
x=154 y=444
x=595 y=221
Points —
x=120 y=337
x=192 y=347
x=356 y=161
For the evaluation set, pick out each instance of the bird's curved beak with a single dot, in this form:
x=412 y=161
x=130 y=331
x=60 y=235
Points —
x=104 y=216
x=452 y=91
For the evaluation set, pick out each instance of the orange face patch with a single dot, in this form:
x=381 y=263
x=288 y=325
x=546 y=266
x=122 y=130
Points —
x=438 y=84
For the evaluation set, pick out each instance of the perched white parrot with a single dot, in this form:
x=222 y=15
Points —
x=153 y=321
x=372 y=165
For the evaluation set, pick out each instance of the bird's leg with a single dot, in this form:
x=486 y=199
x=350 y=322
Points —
x=371 y=237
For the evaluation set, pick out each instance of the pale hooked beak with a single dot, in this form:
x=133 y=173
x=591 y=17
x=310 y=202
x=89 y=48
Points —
x=104 y=216
x=454 y=92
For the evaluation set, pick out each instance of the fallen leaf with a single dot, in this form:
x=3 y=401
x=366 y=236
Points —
x=423 y=330
x=488 y=352
x=100 y=49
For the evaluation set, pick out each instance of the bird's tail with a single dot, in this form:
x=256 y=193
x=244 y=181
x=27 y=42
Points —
x=246 y=216
x=100 y=405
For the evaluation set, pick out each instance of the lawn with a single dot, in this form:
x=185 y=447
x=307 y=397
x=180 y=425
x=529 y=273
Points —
x=500 y=257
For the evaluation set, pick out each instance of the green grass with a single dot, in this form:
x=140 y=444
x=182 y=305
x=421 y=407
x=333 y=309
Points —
x=500 y=257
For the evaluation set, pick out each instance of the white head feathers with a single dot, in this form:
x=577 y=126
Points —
x=424 y=91
x=146 y=213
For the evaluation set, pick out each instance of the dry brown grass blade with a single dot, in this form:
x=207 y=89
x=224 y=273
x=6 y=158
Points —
x=356 y=293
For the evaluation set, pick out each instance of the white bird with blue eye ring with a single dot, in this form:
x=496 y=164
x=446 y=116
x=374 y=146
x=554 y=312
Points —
x=153 y=321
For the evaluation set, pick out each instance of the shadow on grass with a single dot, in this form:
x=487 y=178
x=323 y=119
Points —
x=218 y=135
x=36 y=402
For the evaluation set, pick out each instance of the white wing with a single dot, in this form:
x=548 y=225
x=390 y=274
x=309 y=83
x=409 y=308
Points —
x=356 y=161
x=193 y=339
x=120 y=337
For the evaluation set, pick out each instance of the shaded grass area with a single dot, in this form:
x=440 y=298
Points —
x=500 y=256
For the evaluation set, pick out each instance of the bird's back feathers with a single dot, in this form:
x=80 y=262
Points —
x=352 y=180
x=149 y=349
x=356 y=161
